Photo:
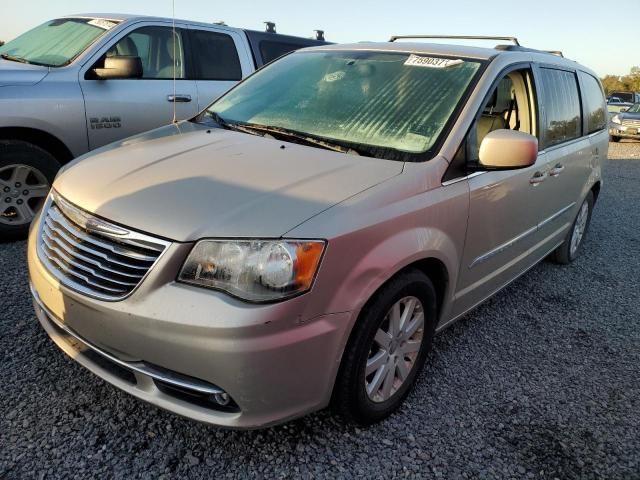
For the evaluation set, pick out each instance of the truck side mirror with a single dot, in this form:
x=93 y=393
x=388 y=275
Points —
x=508 y=149
x=119 y=67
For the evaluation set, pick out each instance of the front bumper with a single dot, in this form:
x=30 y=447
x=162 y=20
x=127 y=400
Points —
x=623 y=131
x=275 y=361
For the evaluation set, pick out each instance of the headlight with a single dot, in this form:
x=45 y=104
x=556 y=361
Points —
x=616 y=119
x=254 y=270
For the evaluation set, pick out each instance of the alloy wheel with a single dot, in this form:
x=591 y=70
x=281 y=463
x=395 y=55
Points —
x=395 y=348
x=579 y=228
x=22 y=191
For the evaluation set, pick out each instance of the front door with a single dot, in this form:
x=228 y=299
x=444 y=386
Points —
x=504 y=207
x=119 y=108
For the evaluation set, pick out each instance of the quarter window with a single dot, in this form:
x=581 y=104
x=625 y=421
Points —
x=561 y=105
x=594 y=105
x=216 y=56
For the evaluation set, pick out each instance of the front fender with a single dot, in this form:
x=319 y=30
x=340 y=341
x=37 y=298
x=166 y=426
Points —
x=377 y=233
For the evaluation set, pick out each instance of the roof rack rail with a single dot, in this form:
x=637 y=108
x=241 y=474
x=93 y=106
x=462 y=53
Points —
x=457 y=37
x=518 y=48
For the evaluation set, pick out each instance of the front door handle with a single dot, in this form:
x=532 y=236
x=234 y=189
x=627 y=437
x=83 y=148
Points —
x=538 y=178
x=557 y=170
x=179 y=98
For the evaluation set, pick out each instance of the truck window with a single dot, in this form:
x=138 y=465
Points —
x=593 y=100
x=271 y=50
x=155 y=47
x=215 y=56
x=561 y=102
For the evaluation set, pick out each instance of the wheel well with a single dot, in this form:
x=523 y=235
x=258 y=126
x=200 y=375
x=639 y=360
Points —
x=596 y=191
x=42 y=139
x=437 y=273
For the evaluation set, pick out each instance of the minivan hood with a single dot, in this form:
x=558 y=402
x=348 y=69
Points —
x=188 y=182
x=16 y=74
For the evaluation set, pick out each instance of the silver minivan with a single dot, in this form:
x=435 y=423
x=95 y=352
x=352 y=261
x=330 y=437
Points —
x=299 y=243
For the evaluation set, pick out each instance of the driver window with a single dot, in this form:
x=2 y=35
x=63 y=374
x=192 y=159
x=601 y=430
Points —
x=156 y=49
x=508 y=107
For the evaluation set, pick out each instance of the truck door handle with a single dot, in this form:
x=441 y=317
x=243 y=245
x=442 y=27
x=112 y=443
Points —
x=557 y=170
x=179 y=98
x=538 y=178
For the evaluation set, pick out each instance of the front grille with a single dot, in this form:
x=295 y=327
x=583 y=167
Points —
x=101 y=264
x=631 y=123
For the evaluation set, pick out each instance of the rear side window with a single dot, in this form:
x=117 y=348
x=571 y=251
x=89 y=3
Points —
x=593 y=103
x=272 y=50
x=561 y=106
x=215 y=56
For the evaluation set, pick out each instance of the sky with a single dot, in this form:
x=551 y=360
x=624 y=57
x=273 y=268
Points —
x=582 y=29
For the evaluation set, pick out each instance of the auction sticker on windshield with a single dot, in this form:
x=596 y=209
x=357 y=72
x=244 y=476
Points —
x=101 y=23
x=431 y=62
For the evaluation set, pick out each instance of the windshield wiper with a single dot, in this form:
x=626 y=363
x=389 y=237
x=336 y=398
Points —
x=262 y=130
x=230 y=125
x=13 y=58
x=299 y=136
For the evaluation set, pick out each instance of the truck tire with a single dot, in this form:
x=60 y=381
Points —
x=26 y=174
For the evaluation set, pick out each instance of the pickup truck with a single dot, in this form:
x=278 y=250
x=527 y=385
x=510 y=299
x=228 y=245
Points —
x=77 y=83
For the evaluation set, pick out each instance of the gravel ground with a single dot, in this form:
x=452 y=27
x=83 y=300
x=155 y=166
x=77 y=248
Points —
x=542 y=381
x=625 y=149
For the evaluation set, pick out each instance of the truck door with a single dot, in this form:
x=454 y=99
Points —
x=119 y=108
x=220 y=60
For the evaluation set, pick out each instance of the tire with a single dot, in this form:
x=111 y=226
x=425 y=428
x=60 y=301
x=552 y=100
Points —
x=565 y=254
x=614 y=139
x=26 y=174
x=351 y=398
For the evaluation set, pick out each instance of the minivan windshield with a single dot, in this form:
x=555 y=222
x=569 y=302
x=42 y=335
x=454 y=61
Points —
x=57 y=42
x=392 y=105
x=634 y=108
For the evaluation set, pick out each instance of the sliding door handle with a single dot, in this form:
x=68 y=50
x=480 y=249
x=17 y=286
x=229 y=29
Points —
x=557 y=170
x=179 y=98
x=538 y=178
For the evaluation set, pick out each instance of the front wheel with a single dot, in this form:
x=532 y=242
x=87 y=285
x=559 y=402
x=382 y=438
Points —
x=614 y=139
x=387 y=349
x=570 y=248
x=26 y=174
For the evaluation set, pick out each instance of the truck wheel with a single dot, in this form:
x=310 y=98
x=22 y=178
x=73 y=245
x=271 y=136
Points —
x=26 y=174
x=387 y=349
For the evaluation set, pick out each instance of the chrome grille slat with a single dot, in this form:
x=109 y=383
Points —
x=107 y=264
x=68 y=271
x=631 y=123
x=58 y=218
x=87 y=270
x=47 y=230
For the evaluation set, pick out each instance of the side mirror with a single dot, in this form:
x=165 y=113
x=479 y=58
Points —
x=508 y=149
x=624 y=109
x=120 y=67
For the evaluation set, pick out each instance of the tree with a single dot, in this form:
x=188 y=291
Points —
x=612 y=83
x=626 y=83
